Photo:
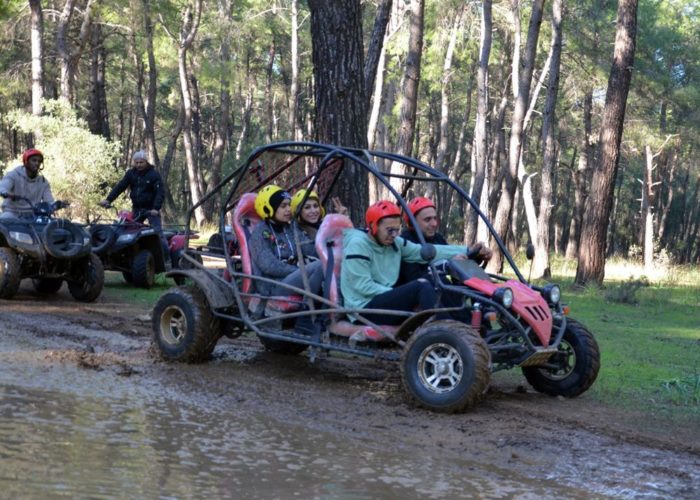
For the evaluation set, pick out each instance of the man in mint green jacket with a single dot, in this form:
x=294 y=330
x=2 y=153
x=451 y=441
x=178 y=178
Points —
x=371 y=264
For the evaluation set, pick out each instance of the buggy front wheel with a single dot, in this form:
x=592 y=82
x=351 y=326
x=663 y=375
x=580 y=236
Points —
x=572 y=369
x=184 y=329
x=445 y=366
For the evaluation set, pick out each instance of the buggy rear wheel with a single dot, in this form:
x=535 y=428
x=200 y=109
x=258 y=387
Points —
x=47 y=285
x=445 y=366
x=143 y=269
x=184 y=329
x=88 y=279
x=10 y=273
x=573 y=369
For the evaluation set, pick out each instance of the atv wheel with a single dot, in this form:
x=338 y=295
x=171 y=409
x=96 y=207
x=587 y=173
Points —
x=101 y=237
x=445 y=366
x=63 y=239
x=184 y=329
x=573 y=369
x=10 y=276
x=47 y=285
x=143 y=269
x=282 y=347
x=216 y=243
x=88 y=279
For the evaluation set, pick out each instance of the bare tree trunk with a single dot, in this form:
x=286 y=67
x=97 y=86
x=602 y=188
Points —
x=581 y=180
x=666 y=208
x=480 y=154
x=294 y=85
x=149 y=110
x=37 y=37
x=69 y=58
x=268 y=93
x=340 y=94
x=246 y=108
x=409 y=92
x=647 y=213
x=541 y=262
x=224 y=121
x=591 y=263
x=375 y=51
x=170 y=154
x=190 y=24
x=98 y=119
x=505 y=205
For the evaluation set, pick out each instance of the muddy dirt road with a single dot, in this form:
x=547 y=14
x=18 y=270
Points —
x=88 y=409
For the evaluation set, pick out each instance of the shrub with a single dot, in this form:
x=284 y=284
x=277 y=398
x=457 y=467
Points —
x=626 y=292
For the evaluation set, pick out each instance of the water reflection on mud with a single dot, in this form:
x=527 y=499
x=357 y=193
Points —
x=56 y=443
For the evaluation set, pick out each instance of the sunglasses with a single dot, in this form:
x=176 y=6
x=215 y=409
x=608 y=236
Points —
x=392 y=231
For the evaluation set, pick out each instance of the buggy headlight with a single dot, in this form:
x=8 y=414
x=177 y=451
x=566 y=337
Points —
x=22 y=237
x=504 y=296
x=552 y=294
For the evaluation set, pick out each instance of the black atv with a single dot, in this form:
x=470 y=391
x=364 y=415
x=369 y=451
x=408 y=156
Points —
x=130 y=246
x=48 y=250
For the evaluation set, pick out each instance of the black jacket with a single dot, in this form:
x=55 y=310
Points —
x=412 y=270
x=146 y=189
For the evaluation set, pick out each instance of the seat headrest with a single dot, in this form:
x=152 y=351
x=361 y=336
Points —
x=244 y=213
x=331 y=231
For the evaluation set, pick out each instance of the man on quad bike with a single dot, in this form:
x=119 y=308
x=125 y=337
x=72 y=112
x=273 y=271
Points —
x=25 y=181
x=372 y=262
x=146 y=192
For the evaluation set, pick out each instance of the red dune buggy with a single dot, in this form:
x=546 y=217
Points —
x=503 y=321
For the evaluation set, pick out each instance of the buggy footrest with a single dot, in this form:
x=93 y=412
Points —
x=360 y=333
x=539 y=357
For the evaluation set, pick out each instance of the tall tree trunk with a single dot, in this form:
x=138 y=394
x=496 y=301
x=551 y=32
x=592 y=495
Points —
x=294 y=85
x=98 y=119
x=190 y=24
x=375 y=51
x=336 y=36
x=581 y=180
x=69 y=57
x=666 y=208
x=647 y=213
x=224 y=121
x=269 y=112
x=541 y=262
x=591 y=262
x=149 y=108
x=480 y=152
x=505 y=205
x=37 y=37
x=170 y=155
x=409 y=92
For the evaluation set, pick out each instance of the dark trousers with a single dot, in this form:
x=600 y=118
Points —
x=418 y=294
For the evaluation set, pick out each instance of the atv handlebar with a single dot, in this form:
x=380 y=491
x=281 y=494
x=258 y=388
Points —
x=38 y=209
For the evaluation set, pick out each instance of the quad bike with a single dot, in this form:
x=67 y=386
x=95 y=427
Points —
x=135 y=249
x=50 y=251
x=501 y=321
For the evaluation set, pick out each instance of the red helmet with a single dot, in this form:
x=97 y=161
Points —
x=29 y=153
x=416 y=205
x=379 y=211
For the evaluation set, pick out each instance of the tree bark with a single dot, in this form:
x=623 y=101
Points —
x=69 y=57
x=37 y=41
x=340 y=94
x=294 y=128
x=224 y=119
x=541 y=262
x=98 y=119
x=591 y=263
x=647 y=213
x=375 y=51
x=190 y=24
x=480 y=152
x=269 y=134
x=505 y=205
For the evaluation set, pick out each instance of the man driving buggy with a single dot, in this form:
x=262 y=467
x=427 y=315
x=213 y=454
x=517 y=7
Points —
x=26 y=181
x=371 y=265
x=146 y=192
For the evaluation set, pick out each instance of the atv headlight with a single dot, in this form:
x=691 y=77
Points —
x=22 y=237
x=552 y=294
x=126 y=238
x=504 y=296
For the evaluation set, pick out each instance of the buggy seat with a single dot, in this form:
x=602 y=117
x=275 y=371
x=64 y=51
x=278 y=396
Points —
x=329 y=243
x=245 y=218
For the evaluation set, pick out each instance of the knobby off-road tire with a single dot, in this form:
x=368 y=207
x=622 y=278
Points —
x=184 y=329
x=102 y=237
x=88 y=279
x=47 y=285
x=143 y=269
x=62 y=239
x=10 y=273
x=445 y=366
x=577 y=361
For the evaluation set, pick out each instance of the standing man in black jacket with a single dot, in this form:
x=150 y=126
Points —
x=146 y=192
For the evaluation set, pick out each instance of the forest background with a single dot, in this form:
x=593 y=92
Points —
x=508 y=98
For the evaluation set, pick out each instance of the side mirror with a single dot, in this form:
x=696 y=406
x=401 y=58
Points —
x=427 y=252
x=530 y=251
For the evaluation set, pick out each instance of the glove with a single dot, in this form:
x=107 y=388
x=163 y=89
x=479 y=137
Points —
x=8 y=195
x=58 y=204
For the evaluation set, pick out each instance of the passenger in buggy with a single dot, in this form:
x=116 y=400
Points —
x=273 y=246
x=371 y=265
x=312 y=212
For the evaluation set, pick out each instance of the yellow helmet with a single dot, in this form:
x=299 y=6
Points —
x=299 y=196
x=264 y=205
